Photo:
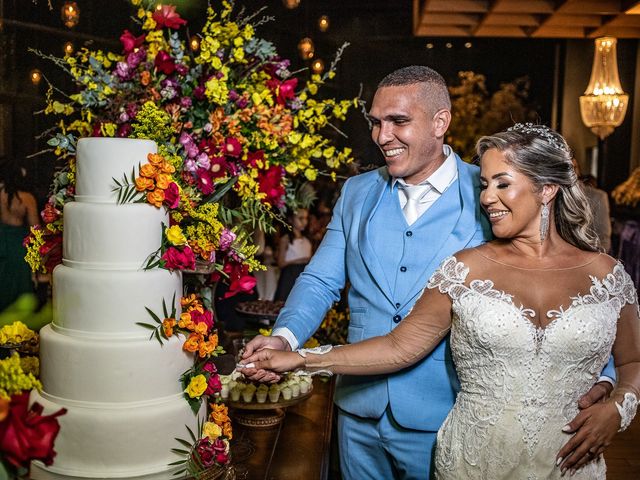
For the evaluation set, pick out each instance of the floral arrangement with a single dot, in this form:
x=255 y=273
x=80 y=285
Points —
x=238 y=134
x=25 y=433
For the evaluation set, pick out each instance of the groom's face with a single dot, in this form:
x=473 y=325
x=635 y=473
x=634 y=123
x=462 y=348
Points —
x=408 y=134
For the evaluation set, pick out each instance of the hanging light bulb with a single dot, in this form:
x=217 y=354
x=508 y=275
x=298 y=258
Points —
x=68 y=48
x=291 y=4
x=70 y=14
x=604 y=103
x=306 y=48
x=317 y=66
x=323 y=23
x=194 y=43
x=35 y=76
x=158 y=7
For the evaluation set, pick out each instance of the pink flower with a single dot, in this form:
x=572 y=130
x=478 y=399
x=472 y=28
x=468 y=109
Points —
x=254 y=157
x=175 y=259
x=210 y=367
x=271 y=184
x=219 y=167
x=167 y=17
x=283 y=91
x=164 y=62
x=172 y=196
x=130 y=42
x=205 y=317
x=226 y=239
x=213 y=385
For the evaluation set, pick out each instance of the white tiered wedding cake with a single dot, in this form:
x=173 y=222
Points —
x=122 y=391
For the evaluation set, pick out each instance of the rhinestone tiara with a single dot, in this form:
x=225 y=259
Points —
x=541 y=131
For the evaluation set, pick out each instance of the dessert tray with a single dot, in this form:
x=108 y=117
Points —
x=254 y=405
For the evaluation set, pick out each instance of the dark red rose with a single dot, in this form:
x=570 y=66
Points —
x=130 y=42
x=26 y=434
x=164 y=63
x=167 y=17
x=172 y=196
x=205 y=452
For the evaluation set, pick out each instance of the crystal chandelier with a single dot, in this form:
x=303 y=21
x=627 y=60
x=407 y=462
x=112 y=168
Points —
x=604 y=103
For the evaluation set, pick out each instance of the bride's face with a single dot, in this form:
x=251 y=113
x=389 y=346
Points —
x=508 y=197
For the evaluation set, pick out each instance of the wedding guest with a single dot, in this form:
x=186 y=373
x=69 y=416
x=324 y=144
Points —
x=534 y=316
x=294 y=252
x=18 y=211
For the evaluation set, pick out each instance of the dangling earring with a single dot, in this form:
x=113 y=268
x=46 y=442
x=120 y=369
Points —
x=544 y=222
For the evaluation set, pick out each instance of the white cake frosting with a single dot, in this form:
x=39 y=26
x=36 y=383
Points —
x=122 y=391
x=113 y=297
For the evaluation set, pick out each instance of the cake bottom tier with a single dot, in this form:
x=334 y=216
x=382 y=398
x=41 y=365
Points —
x=116 y=440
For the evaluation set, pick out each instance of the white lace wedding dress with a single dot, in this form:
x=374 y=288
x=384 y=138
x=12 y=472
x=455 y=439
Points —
x=519 y=384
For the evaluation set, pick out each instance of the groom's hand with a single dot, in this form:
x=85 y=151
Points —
x=258 y=343
x=598 y=393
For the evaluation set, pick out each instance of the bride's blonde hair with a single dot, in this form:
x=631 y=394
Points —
x=543 y=156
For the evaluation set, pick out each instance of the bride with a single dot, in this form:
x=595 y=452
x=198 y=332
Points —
x=534 y=317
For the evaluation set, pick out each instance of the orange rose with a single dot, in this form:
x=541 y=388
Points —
x=187 y=301
x=155 y=159
x=227 y=431
x=144 y=183
x=213 y=339
x=167 y=326
x=201 y=328
x=156 y=197
x=145 y=78
x=166 y=167
x=148 y=170
x=163 y=180
x=219 y=413
x=192 y=343
x=185 y=321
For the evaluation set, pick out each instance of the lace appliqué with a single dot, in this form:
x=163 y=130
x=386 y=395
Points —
x=321 y=350
x=627 y=410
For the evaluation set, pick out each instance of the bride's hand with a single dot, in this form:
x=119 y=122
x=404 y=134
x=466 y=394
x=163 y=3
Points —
x=594 y=429
x=277 y=361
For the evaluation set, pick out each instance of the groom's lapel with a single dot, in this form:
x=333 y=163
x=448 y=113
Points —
x=365 y=234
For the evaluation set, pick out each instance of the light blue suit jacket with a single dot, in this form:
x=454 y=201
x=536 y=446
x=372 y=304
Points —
x=388 y=263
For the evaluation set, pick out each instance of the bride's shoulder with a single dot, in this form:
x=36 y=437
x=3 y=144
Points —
x=601 y=264
x=474 y=257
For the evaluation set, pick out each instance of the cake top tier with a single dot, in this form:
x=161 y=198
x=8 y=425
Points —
x=101 y=160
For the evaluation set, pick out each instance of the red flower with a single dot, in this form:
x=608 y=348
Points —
x=199 y=317
x=50 y=213
x=172 y=196
x=167 y=17
x=205 y=452
x=254 y=157
x=204 y=181
x=219 y=167
x=239 y=279
x=164 y=63
x=26 y=434
x=179 y=260
x=51 y=250
x=283 y=91
x=130 y=42
x=210 y=367
x=271 y=184
x=232 y=147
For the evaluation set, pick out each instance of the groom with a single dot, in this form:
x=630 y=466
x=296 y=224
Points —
x=390 y=229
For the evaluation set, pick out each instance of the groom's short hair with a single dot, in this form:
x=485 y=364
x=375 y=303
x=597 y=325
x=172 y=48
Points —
x=436 y=93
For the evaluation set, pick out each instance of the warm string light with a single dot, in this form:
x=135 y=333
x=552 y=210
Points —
x=323 y=23
x=68 y=48
x=194 y=43
x=306 y=49
x=291 y=4
x=317 y=66
x=70 y=14
x=35 y=76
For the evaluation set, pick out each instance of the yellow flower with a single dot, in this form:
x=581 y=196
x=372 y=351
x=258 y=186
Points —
x=211 y=430
x=197 y=386
x=17 y=332
x=175 y=236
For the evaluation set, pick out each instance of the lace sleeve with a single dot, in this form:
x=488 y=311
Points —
x=449 y=278
x=415 y=337
x=626 y=349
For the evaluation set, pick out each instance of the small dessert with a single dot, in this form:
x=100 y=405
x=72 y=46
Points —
x=247 y=392
x=261 y=393
x=274 y=393
x=286 y=392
